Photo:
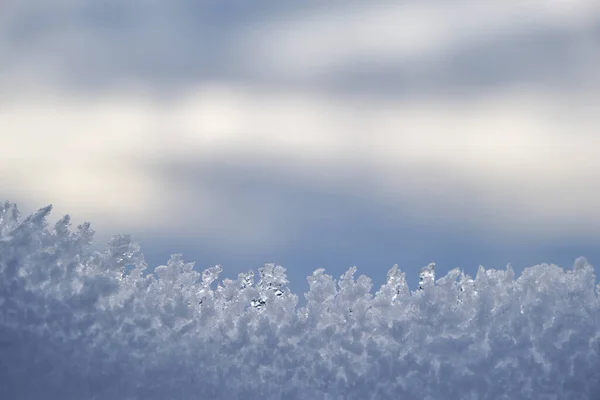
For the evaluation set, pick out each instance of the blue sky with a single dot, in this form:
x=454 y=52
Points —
x=321 y=134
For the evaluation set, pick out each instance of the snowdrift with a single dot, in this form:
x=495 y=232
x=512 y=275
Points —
x=81 y=324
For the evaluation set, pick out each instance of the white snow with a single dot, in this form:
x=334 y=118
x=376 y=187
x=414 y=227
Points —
x=80 y=324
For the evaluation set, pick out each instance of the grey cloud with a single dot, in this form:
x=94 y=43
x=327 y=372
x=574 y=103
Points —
x=89 y=46
x=549 y=59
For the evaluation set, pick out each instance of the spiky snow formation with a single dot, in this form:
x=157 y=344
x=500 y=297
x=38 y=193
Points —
x=80 y=324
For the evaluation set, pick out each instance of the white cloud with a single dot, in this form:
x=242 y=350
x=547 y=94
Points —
x=502 y=159
x=499 y=160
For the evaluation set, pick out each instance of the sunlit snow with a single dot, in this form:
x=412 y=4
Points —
x=80 y=324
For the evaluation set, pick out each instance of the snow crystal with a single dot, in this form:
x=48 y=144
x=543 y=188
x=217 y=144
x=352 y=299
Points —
x=427 y=276
x=81 y=324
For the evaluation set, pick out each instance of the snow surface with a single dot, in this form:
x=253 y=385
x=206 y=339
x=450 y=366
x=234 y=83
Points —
x=80 y=324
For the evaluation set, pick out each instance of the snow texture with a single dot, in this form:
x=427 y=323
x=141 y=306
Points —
x=81 y=324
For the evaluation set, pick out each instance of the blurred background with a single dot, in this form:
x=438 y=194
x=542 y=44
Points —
x=310 y=134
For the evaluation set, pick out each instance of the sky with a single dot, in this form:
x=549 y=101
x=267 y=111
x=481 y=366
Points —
x=310 y=134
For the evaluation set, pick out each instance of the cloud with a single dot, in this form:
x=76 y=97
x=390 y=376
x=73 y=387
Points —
x=509 y=162
x=467 y=113
x=84 y=46
x=318 y=45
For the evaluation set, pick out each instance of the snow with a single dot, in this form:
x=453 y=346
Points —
x=81 y=324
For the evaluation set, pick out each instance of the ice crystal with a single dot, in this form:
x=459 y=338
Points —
x=427 y=276
x=81 y=324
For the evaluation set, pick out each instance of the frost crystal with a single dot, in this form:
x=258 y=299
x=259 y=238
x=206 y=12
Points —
x=396 y=283
x=81 y=324
x=427 y=276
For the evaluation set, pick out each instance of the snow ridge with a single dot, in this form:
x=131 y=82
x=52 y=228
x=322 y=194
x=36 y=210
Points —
x=80 y=324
